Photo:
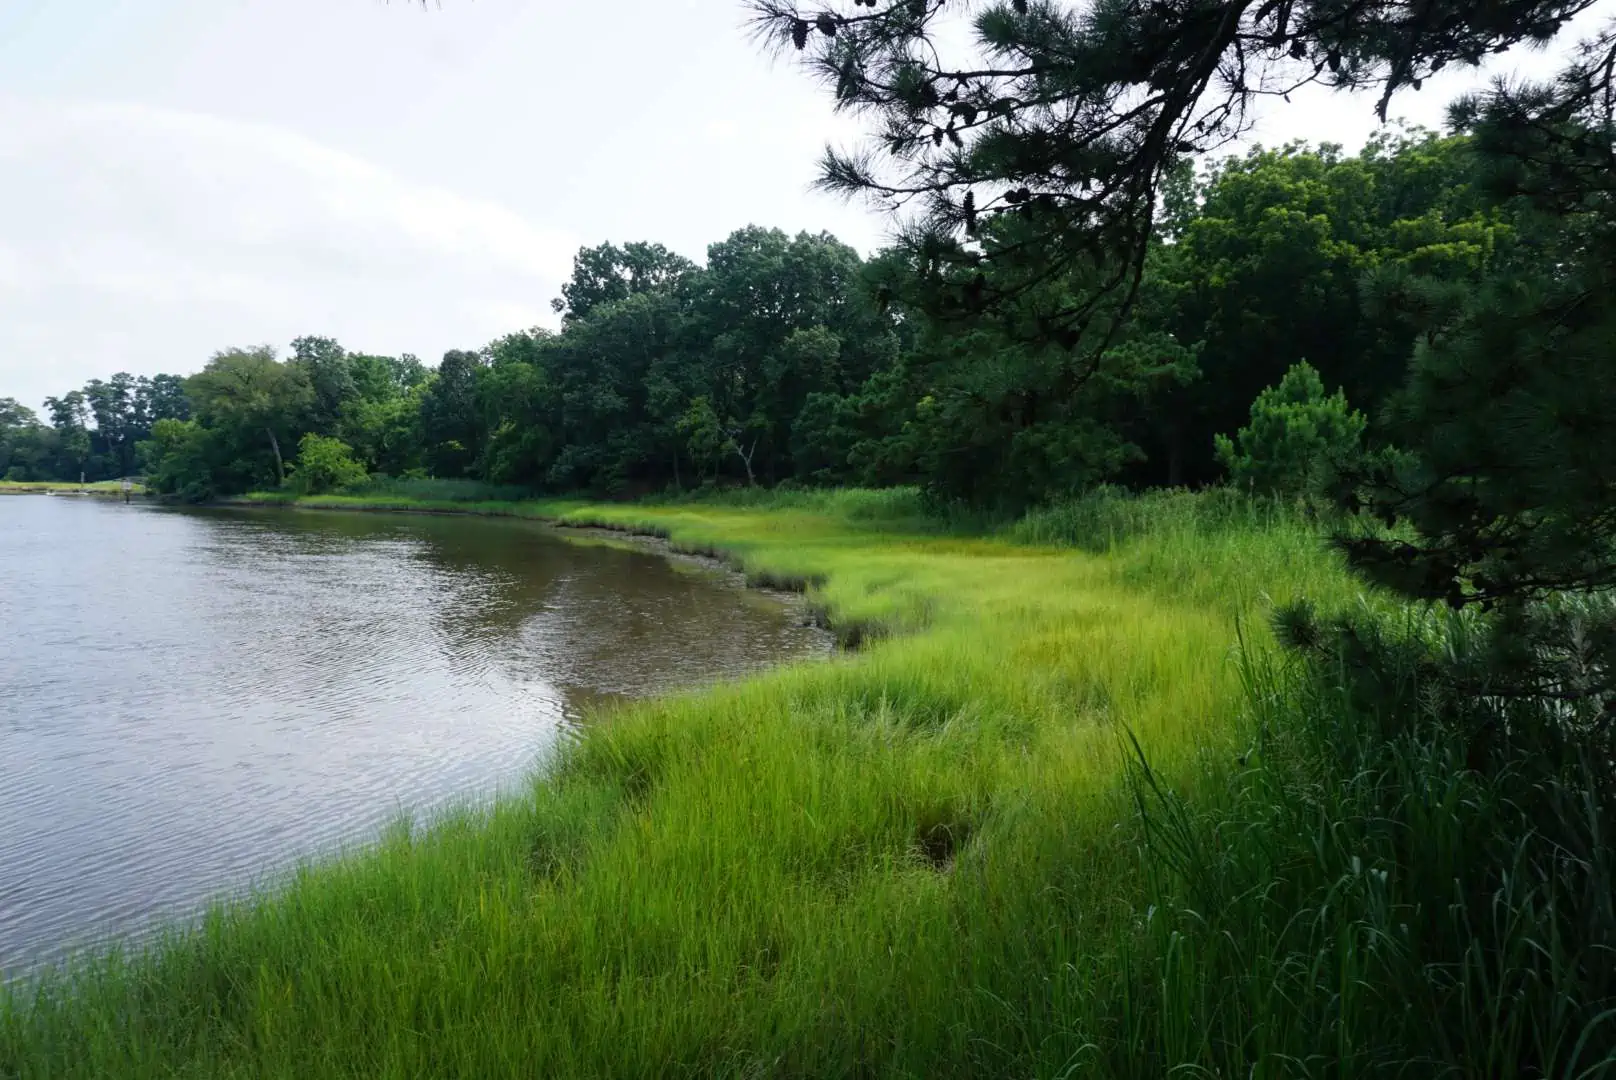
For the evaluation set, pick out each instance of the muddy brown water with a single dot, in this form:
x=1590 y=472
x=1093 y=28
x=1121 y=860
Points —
x=193 y=701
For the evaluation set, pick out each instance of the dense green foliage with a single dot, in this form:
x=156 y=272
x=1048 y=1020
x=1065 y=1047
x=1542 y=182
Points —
x=1489 y=259
x=324 y=464
x=1509 y=408
x=1072 y=118
x=93 y=432
x=791 y=358
x=1279 y=257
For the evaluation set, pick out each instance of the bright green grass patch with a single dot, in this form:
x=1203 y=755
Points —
x=918 y=859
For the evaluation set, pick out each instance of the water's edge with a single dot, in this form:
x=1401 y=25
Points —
x=726 y=569
x=789 y=592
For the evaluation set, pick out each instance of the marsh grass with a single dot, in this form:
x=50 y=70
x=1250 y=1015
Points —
x=99 y=487
x=409 y=494
x=1367 y=902
x=1059 y=816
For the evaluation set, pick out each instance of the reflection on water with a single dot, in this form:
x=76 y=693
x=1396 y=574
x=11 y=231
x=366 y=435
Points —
x=191 y=700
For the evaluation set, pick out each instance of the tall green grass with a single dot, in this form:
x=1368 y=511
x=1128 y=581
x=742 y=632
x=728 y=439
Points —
x=1055 y=818
x=404 y=493
x=421 y=497
x=1370 y=900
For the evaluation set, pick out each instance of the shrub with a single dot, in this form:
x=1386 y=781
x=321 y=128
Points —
x=324 y=464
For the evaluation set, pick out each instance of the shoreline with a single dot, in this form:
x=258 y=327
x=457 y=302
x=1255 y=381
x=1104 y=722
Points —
x=901 y=848
x=713 y=576
x=793 y=589
x=69 y=491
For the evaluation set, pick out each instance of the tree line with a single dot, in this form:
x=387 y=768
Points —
x=788 y=358
x=95 y=433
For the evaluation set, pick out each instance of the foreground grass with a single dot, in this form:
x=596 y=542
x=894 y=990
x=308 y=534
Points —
x=919 y=859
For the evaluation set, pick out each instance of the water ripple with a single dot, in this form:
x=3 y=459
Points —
x=193 y=702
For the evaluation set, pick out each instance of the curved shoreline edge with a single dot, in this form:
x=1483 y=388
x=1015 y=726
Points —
x=616 y=519
x=918 y=858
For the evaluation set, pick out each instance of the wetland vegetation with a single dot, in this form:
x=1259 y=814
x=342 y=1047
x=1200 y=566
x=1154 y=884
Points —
x=1221 y=548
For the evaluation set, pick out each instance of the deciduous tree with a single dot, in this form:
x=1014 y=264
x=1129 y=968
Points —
x=250 y=394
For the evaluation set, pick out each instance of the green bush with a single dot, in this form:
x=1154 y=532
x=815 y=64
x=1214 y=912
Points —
x=324 y=464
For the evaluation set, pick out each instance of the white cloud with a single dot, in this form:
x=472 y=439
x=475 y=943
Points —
x=142 y=239
x=404 y=178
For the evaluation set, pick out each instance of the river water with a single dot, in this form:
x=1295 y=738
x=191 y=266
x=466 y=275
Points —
x=192 y=701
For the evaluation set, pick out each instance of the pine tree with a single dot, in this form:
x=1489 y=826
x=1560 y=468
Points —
x=1297 y=437
x=1072 y=115
x=1504 y=496
x=1509 y=413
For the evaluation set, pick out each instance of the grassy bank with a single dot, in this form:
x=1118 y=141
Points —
x=921 y=858
x=422 y=497
x=100 y=487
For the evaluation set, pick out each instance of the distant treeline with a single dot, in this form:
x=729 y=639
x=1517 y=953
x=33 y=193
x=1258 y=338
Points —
x=791 y=358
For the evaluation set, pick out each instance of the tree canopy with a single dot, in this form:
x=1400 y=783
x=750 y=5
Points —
x=1073 y=116
x=1085 y=293
x=784 y=357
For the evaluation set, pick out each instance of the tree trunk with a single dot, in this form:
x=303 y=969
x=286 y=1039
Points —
x=280 y=465
x=746 y=459
x=1175 y=460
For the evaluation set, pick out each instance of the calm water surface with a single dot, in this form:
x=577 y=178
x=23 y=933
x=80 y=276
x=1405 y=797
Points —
x=191 y=701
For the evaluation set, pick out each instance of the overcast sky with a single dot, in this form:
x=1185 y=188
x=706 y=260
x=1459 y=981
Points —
x=178 y=176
